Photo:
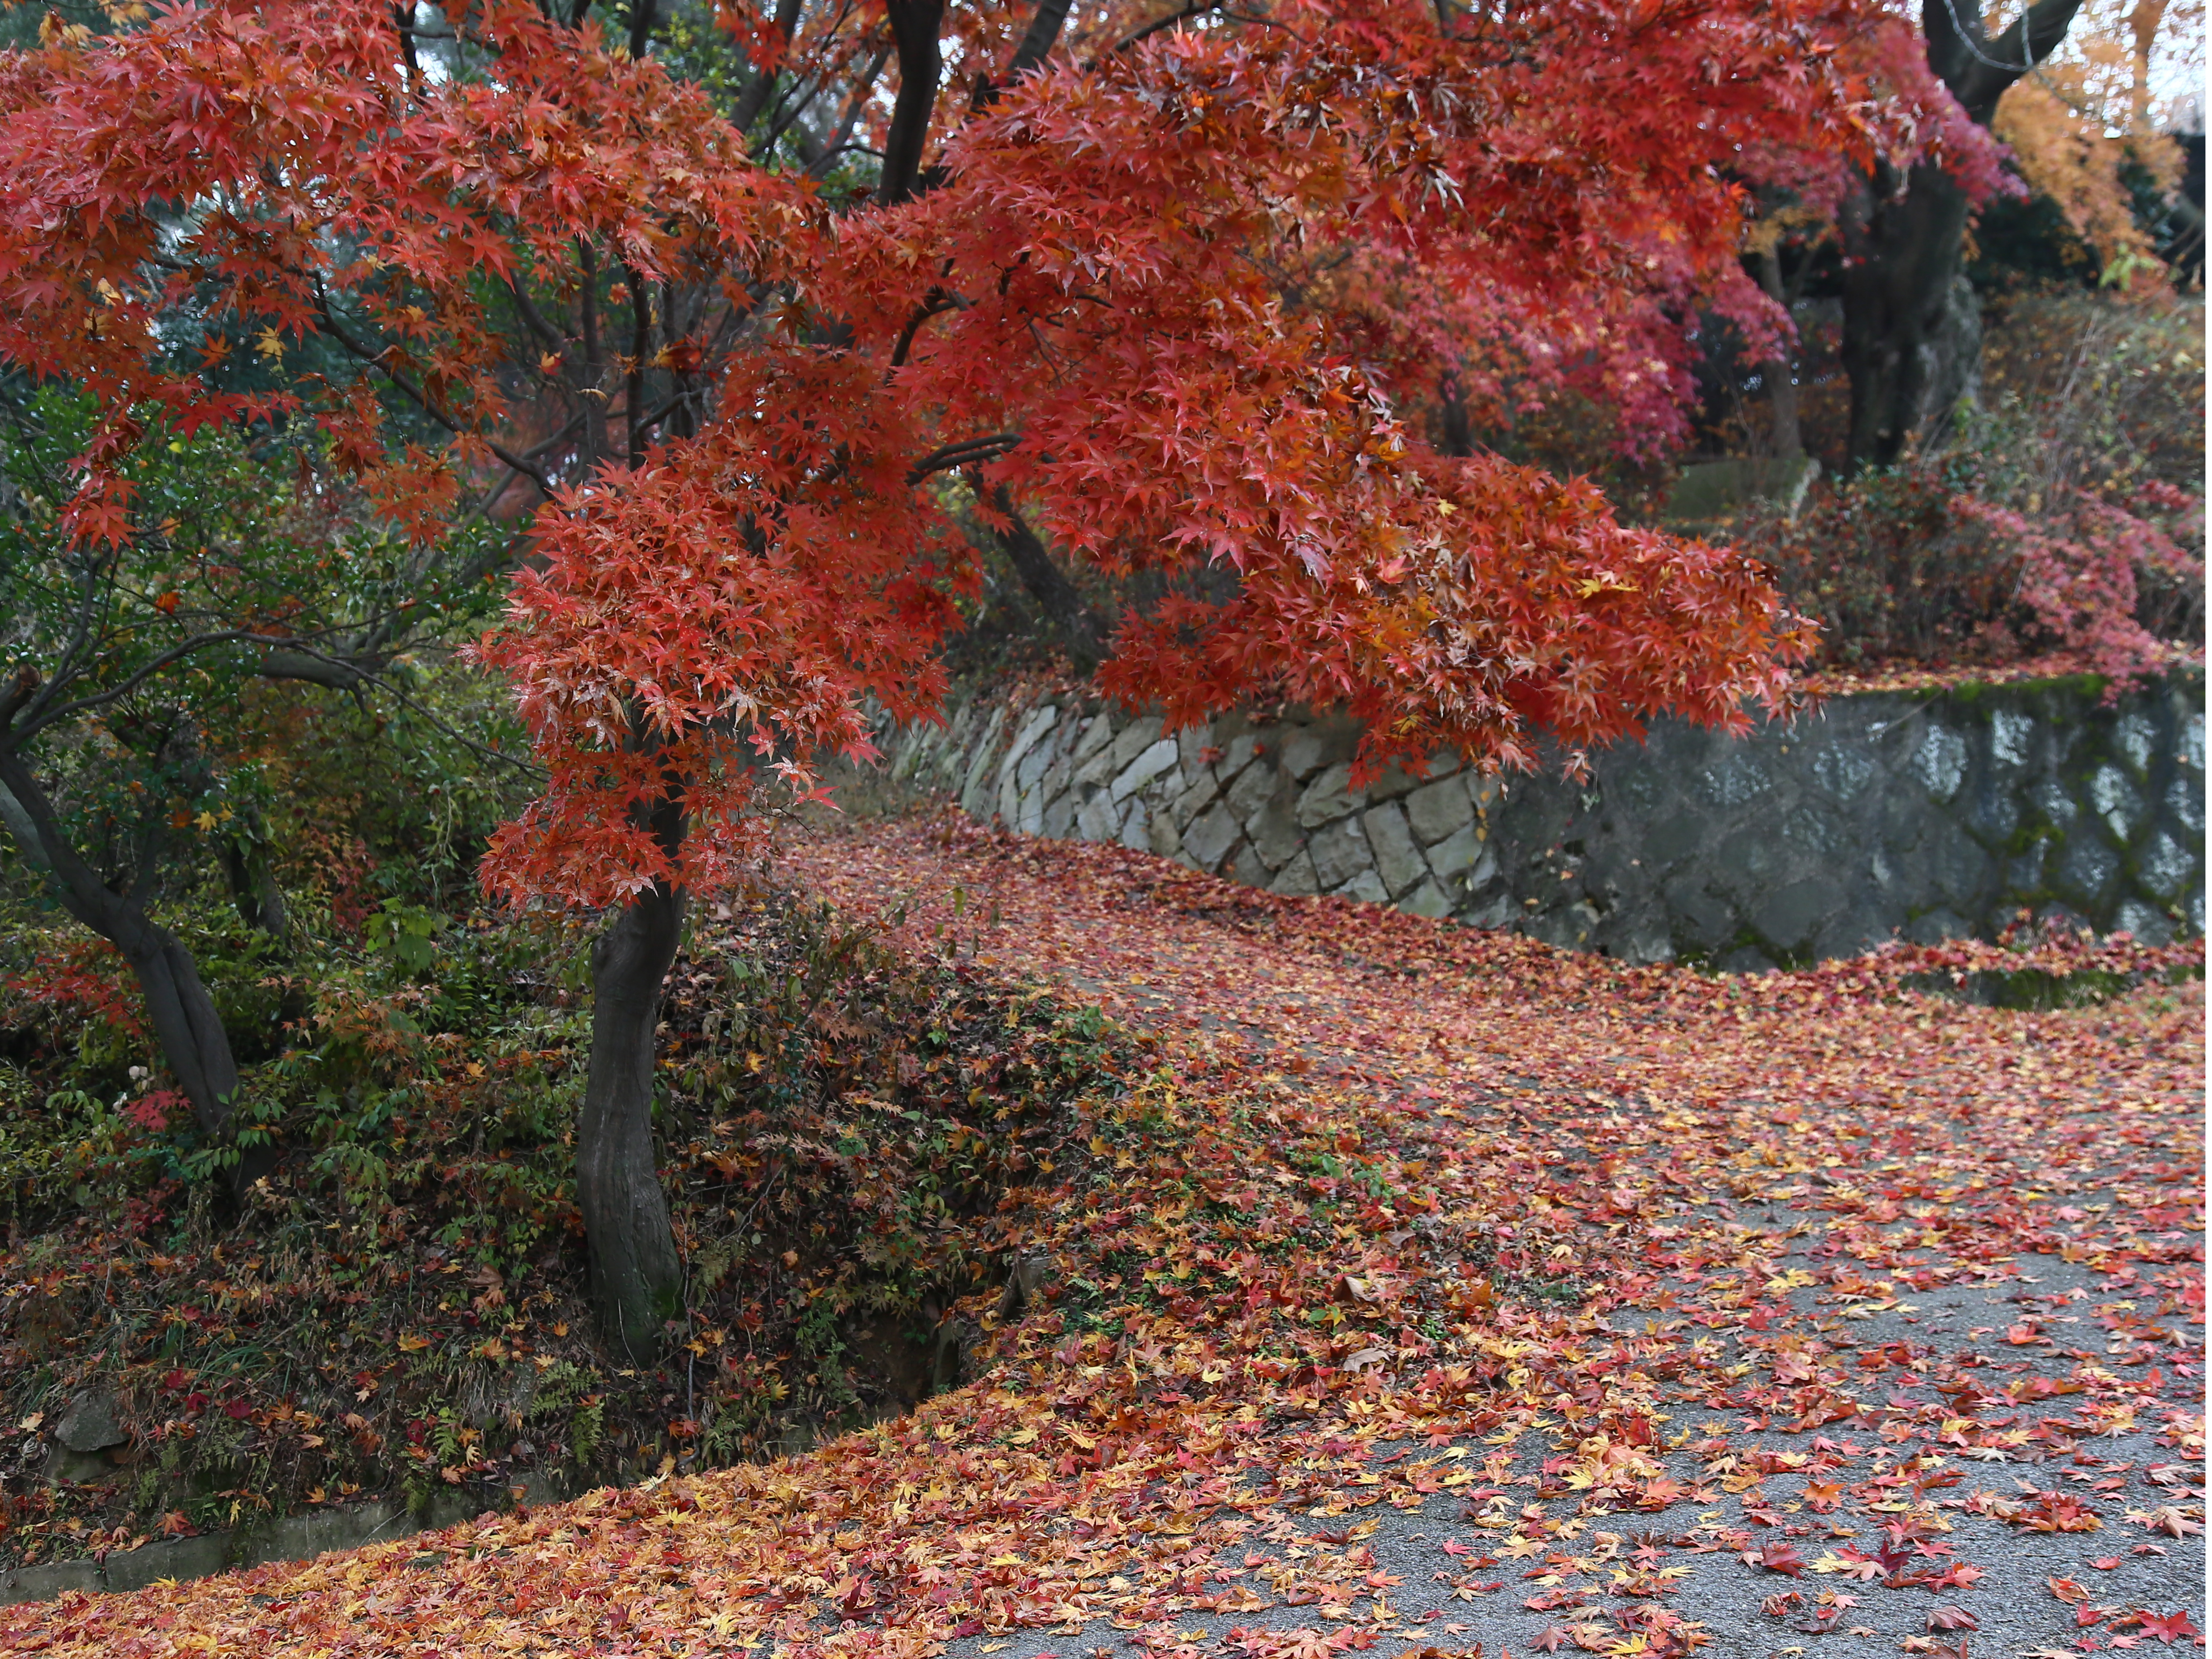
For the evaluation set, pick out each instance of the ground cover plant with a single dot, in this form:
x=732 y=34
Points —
x=395 y=1308
x=1434 y=1291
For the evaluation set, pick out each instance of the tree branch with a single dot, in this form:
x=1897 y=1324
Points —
x=1041 y=35
x=915 y=25
x=1182 y=13
x=1056 y=596
x=1978 y=71
x=757 y=90
x=16 y=739
x=967 y=453
x=375 y=360
x=935 y=303
x=19 y=693
x=855 y=105
x=337 y=673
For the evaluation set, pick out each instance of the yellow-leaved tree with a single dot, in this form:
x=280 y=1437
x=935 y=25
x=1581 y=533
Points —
x=2106 y=99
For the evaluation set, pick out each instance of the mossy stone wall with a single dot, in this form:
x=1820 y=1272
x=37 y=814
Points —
x=1930 y=815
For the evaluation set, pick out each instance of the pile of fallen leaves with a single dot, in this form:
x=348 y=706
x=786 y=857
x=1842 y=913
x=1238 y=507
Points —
x=1607 y=1275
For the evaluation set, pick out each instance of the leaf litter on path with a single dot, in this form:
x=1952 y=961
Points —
x=1430 y=1290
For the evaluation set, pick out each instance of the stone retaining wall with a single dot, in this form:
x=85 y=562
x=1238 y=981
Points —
x=291 y=1538
x=1929 y=814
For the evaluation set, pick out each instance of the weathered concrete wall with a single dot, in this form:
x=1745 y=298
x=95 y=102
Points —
x=1931 y=815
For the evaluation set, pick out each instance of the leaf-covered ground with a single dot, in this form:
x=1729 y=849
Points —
x=1429 y=1289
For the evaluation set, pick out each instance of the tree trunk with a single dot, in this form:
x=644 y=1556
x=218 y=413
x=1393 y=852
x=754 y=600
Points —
x=253 y=885
x=193 y=1044
x=637 y=1281
x=1912 y=328
x=1912 y=325
x=1064 y=610
x=1780 y=373
x=1455 y=433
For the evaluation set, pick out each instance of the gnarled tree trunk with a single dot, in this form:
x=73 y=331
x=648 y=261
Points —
x=1912 y=325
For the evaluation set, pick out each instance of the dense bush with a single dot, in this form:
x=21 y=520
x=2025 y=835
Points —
x=2065 y=516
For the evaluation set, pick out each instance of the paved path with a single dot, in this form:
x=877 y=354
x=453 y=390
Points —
x=1999 y=1132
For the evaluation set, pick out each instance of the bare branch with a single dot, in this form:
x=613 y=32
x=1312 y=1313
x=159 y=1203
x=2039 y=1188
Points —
x=377 y=359
x=935 y=303
x=1182 y=13
x=17 y=738
x=756 y=92
x=968 y=452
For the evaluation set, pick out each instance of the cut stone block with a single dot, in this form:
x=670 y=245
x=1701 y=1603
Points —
x=1366 y=887
x=1426 y=899
x=1137 y=828
x=1253 y=785
x=1198 y=796
x=1137 y=737
x=1191 y=742
x=1940 y=761
x=1059 y=819
x=1398 y=861
x=1275 y=834
x=1146 y=765
x=1210 y=837
x=1788 y=916
x=1097 y=732
x=1458 y=853
x=1339 y=852
x=1095 y=820
x=1328 y=798
x=2117 y=802
x=1236 y=755
x=1308 y=748
x=1438 y=809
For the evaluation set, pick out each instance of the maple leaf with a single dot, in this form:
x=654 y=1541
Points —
x=1777 y=1557
x=2169 y=1627
x=2167 y=1518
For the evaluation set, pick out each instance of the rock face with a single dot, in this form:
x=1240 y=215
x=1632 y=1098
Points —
x=1929 y=814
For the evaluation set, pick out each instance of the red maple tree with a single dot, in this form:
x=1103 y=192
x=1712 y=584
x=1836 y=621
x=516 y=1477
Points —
x=1167 y=288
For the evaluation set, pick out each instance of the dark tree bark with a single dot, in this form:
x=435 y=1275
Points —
x=1078 y=625
x=914 y=26
x=1912 y=325
x=1455 y=432
x=193 y=1042
x=1785 y=434
x=1912 y=335
x=253 y=876
x=637 y=1279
